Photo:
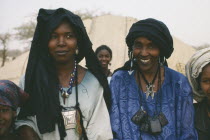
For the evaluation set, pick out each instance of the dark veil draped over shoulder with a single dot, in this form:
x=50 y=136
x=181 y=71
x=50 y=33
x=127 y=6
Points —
x=41 y=80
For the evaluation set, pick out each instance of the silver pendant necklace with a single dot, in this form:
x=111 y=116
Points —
x=150 y=85
x=150 y=90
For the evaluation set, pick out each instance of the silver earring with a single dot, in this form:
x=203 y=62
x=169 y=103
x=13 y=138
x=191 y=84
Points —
x=162 y=62
x=77 y=51
x=131 y=62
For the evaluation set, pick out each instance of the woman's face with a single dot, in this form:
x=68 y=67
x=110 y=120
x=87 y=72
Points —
x=7 y=116
x=104 y=58
x=205 y=80
x=146 y=54
x=63 y=43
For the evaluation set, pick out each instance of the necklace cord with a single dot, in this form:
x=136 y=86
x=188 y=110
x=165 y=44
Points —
x=153 y=80
x=84 y=134
x=159 y=94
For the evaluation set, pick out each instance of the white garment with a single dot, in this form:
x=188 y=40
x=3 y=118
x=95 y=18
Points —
x=96 y=117
x=109 y=79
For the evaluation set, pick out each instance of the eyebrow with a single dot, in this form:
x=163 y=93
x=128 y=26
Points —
x=71 y=32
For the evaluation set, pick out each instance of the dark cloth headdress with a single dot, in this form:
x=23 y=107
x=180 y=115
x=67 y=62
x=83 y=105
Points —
x=154 y=30
x=11 y=95
x=41 y=80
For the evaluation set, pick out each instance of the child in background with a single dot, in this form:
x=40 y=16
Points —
x=11 y=97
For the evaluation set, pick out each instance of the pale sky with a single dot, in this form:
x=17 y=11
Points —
x=188 y=20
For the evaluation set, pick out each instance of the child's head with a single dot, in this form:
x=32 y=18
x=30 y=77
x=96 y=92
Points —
x=198 y=73
x=204 y=80
x=11 y=96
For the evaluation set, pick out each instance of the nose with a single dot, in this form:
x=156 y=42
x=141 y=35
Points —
x=61 y=41
x=103 y=58
x=144 y=51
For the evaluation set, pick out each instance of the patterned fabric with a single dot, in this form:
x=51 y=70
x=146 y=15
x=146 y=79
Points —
x=177 y=105
x=11 y=95
x=193 y=69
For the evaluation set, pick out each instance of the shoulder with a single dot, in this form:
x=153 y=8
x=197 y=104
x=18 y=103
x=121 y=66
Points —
x=120 y=74
x=199 y=104
x=179 y=81
x=121 y=79
x=89 y=78
x=174 y=75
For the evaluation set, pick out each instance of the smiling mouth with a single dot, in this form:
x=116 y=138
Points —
x=61 y=52
x=145 y=61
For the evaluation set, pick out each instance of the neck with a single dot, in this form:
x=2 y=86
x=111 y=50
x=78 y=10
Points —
x=150 y=73
x=106 y=71
x=63 y=69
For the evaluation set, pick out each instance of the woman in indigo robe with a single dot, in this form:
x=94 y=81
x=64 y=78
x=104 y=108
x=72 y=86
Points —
x=149 y=100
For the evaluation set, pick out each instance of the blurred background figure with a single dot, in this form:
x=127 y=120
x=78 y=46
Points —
x=11 y=96
x=104 y=55
x=198 y=74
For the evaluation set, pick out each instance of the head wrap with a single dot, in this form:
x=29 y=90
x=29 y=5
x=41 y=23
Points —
x=194 y=68
x=11 y=95
x=41 y=79
x=154 y=30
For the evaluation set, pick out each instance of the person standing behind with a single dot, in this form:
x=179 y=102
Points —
x=149 y=100
x=198 y=73
x=67 y=100
x=104 y=55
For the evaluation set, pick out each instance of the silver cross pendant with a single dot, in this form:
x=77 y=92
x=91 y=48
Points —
x=150 y=90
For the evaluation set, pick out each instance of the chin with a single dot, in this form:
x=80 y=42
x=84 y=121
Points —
x=62 y=61
x=145 y=68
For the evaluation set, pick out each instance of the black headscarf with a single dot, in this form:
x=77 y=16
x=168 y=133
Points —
x=154 y=30
x=41 y=79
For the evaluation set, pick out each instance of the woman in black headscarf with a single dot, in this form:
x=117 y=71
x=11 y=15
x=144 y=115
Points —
x=149 y=100
x=64 y=97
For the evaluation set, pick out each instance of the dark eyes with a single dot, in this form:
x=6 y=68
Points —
x=4 y=110
x=139 y=46
x=53 y=36
x=68 y=36
x=205 y=81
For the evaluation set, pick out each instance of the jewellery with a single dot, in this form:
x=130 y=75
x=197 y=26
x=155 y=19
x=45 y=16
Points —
x=77 y=51
x=150 y=90
x=161 y=60
x=150 y=85
x=65 y=94
x=131 y=62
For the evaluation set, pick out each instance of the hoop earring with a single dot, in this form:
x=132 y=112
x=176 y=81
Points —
x=131 y=62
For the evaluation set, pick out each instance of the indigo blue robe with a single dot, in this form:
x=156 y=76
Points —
x=176 y=100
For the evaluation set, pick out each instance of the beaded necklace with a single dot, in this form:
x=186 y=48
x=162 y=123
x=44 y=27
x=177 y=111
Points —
x=65 y=94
